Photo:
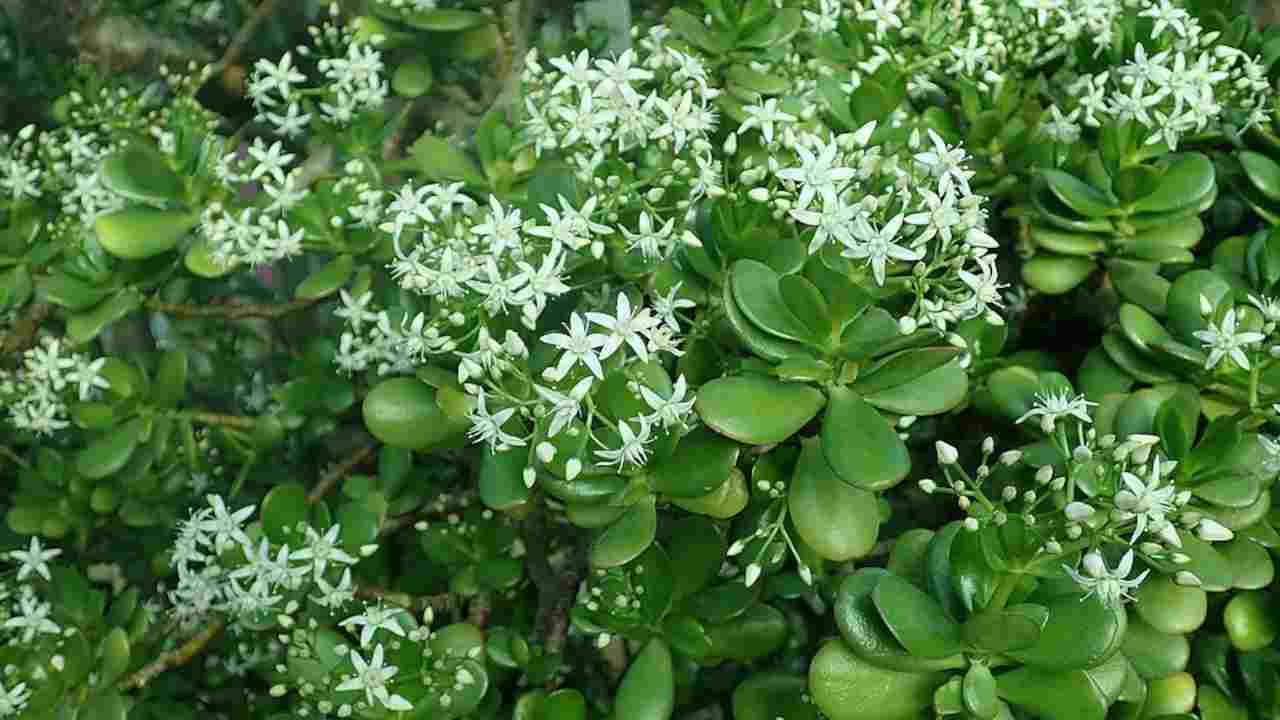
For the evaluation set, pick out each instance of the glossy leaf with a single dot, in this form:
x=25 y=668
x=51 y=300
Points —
x=1013 y=628
x=1077 y=194
x=839 y=521
x=1187 y=179
x=1154 y=654
x=756 y=291
x=1055 y=275
x=403 y=412
x=755 y=409
x=648 y=689
x=1079 y=634
x=327 y=279
x=283 y=510
x=846 y=687
x=936 y=392
x=915 y=619
x=110 y=451
x=701 y=463
x=1263 y=172
x=861 y=446
x=141 y=174
x=137 y=233
x=500 y=479
x=979 y=692
x=627 y=538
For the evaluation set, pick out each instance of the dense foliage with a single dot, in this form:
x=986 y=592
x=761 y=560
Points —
x=746 y=359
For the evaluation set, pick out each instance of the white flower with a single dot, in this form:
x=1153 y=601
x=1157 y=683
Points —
x=1054 y=405
x=226 y=527
x=372 y=678
x=34 y=560
x=564 y=408
x=487 y=427
x=666 y=306
x=879 y=247
x=1150 y=503
x=946 y=164
x=500 y=227
x=669 y=411
x=1223 y=340
x=278 y=77
x=633 y=448
x=578 y=346
x=356 y=310
x=13 y=700
x=335 y=596
x=837 y=220
x=1111 y=586
x=32 y=618
x=323 y=549
x=86 y=378
x=817 y=173
x=625 y=326
x=652 y=243
x=374 y=618
x=764 y=116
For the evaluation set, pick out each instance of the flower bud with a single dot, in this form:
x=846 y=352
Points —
x=1044 y=475
x=928 y=486
x=1094 y=564
x=1186 y=579
x=947 y=453
x=1009 y=458
x=758 y=194
x=572 y=468
x=530 y=477
x=907 y=325
x=1009 y=493
x=971 y=524
x=1213 y=531
x=752 y=575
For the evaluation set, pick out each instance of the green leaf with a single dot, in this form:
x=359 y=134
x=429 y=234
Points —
x=1206 y=563
x=413 y=78
x=937 y=391
x=1068 y=243
x=766 y=695
x=170 y=384
x=1183 y=302
x=326 y=281
x=1077 y=194
x=759 y=631
x=701 y=552
x=846 y=687
x=403 y=412
x=861 y=627
x=438 y=159
x=1055 y=275
x=754 y=81
x=199 y=261
x=727 y=501
x=806 y=302
x=690 y=28
x=868 y=334
x=444 y=20
x=1263 y=172
x=862 y=447
x=979 y=692
x=501 y=478
x=755 y=409
x=1187 y=180
x=83 y=327
x=107 y=454
x=283 y=509
x=1013 y=628
x=107 y=706
x=137 y=233
x=816 y=496
x=627 y=538
x=1250 y=620
x=1251 y=565
x=114 y=656
x=916 y=619
x=141 y=174
x=785 y=23
x=1080 y=633
x=1054 y=696
x=648 y=689
x=563 y=704
x=770 y=347
x=701 y=463
x=1154 y=654
x=69 y=292
x=757 y=293
x=721 y=603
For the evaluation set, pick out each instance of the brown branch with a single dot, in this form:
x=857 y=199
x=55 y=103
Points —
x=230 y=311
x=23 y=335
x=337 y=474
x=238 y=422
x=174 y=658
x=438 y=603
x=242 y=38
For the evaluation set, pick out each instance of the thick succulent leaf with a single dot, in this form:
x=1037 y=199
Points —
x=839 y=521
x=862 y=447
x=916 y=619
x=755 y=409
x=628 y=537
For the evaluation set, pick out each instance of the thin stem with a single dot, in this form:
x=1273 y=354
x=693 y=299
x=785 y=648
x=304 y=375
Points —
x=173 y=659
x=232 y=312
x=238 y=422
x=242 y=38
x=1253 y=386
x=1007 y=585
x=6 y=451
x=327 y=483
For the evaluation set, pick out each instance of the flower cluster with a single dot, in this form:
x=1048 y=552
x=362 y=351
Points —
x=38 y=393
x=1113 y=497
x=26 y=619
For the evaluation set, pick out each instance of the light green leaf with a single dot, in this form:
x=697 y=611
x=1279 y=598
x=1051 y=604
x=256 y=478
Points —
x=862 y=447
x=755 y=409
x=839 y=521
